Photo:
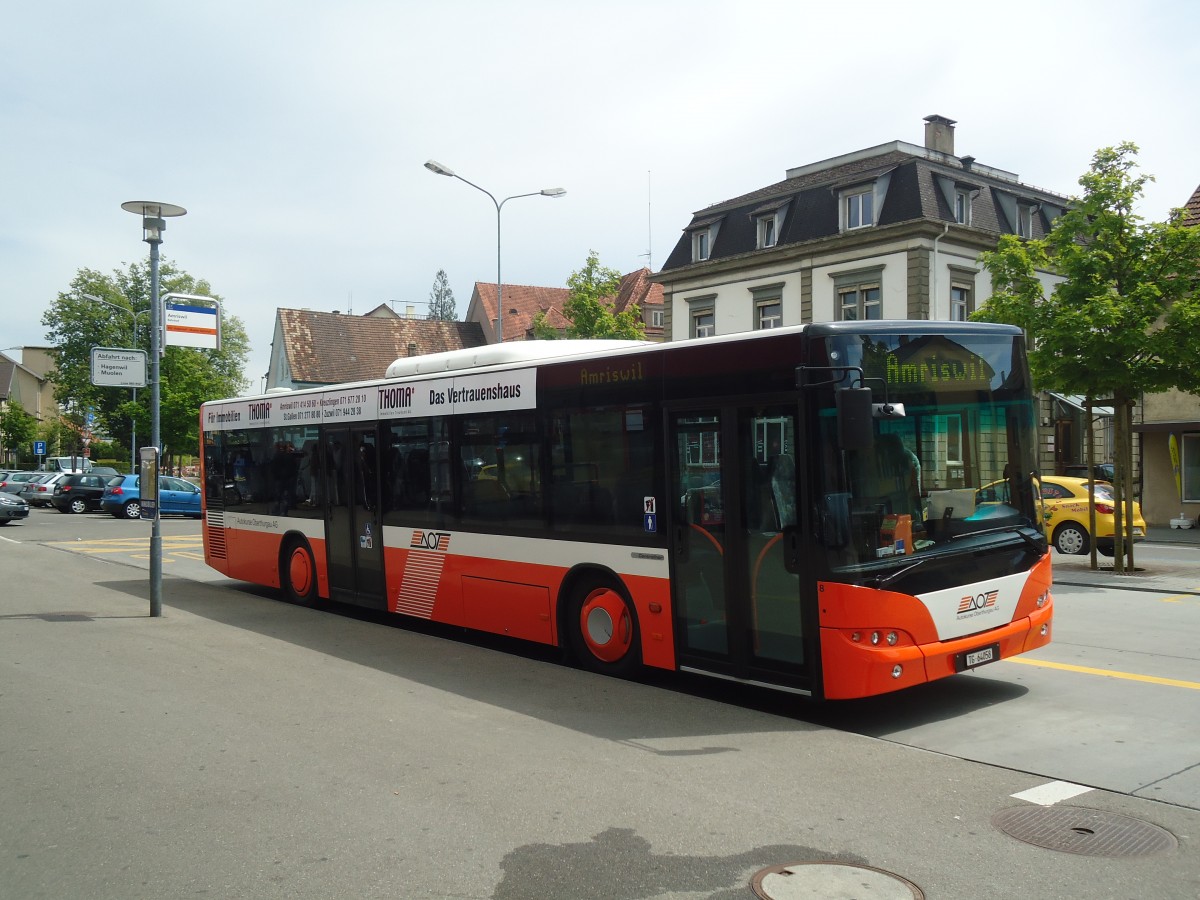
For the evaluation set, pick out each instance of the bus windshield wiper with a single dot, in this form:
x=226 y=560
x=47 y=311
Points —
x=1002 y=529
x=881 y=580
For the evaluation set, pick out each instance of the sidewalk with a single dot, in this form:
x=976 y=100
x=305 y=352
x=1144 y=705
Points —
x=1180 y=576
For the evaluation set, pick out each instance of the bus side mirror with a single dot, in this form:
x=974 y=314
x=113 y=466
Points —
x=855 y=418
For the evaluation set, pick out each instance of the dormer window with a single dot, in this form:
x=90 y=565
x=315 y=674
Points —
x=704 y=234
x=1024 y=220
x=962 y=206
x=858 y=208
x=766 y=231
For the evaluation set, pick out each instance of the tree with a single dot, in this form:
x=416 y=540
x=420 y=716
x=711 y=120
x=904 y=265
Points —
x=1125 y=319
x=441 y=299
x=17 y=431
x=75 y=324
x=589 y=307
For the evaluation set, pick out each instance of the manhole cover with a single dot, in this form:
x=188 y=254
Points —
x=1088 y=832
x=831 y=881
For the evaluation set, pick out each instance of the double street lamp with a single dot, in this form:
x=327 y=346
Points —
x=437 y=168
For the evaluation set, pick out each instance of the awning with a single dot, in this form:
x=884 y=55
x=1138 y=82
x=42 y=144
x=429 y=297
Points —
x=1078 y=402
x=1181 y=427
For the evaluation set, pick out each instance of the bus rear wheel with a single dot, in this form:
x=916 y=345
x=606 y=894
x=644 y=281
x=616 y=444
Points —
x=603 y=629
x=298 y=572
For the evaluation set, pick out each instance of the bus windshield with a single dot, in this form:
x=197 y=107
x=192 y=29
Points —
x=950 y=452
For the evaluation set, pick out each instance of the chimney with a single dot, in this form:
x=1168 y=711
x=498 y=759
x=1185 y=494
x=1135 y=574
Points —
x=939 y=134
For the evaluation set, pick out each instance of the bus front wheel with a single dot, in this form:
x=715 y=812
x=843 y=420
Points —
x=298 y=572
x=603 y=629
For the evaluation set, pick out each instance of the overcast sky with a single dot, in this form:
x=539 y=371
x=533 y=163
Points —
x=295 y=132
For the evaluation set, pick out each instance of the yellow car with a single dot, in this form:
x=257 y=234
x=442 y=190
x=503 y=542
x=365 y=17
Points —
x=1066 y=503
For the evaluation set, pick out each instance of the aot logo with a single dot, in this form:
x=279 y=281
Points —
x=430 y=540
x=977 y=603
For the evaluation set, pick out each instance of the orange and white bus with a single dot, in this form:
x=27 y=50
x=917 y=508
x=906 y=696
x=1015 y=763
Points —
x=837 y=510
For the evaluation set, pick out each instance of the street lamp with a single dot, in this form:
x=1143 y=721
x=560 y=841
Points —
x=154 y=216
x=437 y=168
x=134 y=315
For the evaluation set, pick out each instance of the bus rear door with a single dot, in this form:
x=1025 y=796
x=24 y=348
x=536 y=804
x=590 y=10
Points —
x=354 y=537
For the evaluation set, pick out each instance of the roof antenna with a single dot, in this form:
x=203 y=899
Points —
x=649 y=226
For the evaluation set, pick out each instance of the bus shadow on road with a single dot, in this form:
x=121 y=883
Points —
x=535 y=680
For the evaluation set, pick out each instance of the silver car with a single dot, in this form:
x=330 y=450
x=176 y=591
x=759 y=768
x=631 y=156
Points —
x=39 y=491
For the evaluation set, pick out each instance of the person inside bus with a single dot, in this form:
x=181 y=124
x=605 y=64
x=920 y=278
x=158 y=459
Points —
x=898 y=476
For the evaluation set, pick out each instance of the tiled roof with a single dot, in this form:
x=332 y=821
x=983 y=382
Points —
x=523 y=302
x=330 y=348
x=637 y=288
x=1191 y=210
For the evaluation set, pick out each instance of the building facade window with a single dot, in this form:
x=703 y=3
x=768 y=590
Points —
x=858 y=209
x=768 y=314
x=960 y=302
x=859 y=294
x=700 y=249
x=860 y=302
x=656 y=318
x=768 y=305
x=702 y=316
x=962 y=206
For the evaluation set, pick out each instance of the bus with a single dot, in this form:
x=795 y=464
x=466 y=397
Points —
x=837 y=510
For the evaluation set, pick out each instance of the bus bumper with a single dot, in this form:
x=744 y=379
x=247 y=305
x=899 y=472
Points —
x=864 y=669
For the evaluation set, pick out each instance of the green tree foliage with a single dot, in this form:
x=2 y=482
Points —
x=18 y=430
x=441 y=299
x=589 y=307
x=1126 y=317
x=188 y=377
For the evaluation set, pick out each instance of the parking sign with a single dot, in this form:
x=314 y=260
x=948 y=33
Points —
x=39 y=448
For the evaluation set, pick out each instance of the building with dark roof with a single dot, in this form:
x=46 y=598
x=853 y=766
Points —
x=892 y=231
x=316 y=348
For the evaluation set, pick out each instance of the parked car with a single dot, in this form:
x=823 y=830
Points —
x=79 y=493
x=12 y=508
x=15 y=481
x=1104 y=472
x=38 y=491
x=1066 y=502
x=123 y=498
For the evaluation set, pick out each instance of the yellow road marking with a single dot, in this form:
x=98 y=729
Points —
x=1107 y=673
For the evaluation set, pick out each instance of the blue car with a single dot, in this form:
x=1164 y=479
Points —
x=177 y=497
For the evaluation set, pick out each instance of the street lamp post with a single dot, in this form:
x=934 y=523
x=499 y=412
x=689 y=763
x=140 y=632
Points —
x=437 y=168
x=154 y=216
x=134 y=316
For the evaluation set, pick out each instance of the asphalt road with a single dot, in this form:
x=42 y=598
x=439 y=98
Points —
x=241 y=747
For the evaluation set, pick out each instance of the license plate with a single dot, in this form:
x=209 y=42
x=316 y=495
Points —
x=973 y=658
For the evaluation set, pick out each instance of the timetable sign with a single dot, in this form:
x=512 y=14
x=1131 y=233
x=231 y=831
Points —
x=116 y=367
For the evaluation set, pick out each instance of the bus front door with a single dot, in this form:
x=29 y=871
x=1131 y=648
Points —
x=737 y=604
x=354 y=538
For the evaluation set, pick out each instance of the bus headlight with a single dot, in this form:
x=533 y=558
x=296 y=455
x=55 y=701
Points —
x=897 y=670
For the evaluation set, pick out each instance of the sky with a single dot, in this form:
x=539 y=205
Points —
x=295 y=133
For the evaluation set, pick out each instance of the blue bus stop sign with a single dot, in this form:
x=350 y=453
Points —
x=39 y=448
